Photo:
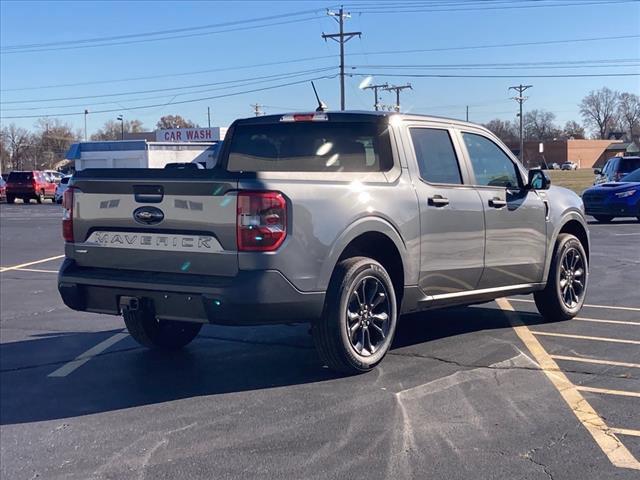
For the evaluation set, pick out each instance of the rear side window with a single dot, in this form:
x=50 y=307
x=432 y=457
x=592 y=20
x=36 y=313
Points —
x=20 y=177
x=310 y=147
x=435 y=156
x=491 y=166
x=629 y=164
x=64 y=180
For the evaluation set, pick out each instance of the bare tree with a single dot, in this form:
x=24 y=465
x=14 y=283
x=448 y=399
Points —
x=539 y=125
x=599 y=109
x=18 y=142
x=504 y=130
x=573 y=129
x=112 y=129
x=629 y=113
x=52 y=140
x=175 y=121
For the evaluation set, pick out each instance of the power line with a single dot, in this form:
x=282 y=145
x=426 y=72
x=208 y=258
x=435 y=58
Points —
x=171 y=89
x=443 y=75
x=304 y=59
x=398 y=89
x=181 y=102
x=341 y=38
x=413 y=9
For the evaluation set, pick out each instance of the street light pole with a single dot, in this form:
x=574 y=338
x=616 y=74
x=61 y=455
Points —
x=121 y=119
x=86 y=112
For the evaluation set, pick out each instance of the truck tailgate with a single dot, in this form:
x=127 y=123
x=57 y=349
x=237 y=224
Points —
x=171 y=221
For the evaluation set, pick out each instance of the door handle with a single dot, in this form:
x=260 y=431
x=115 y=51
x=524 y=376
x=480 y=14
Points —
x=438 y=201
x=497 y=203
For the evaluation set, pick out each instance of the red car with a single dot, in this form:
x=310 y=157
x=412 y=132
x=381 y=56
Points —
x=3 y=189
x=30 y=184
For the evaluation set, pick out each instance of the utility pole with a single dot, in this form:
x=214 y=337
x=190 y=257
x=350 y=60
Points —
x=375 y=88
x=398 y=89
x=521 y=99
x=209 y=117
x=256 y=109
x=467 y=113
x=342 y=37
x=86 y=112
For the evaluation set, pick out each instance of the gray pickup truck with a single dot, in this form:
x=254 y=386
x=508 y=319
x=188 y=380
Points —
x=345 y=220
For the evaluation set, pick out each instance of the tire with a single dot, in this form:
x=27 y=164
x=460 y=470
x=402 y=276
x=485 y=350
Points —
x=159 y=334
x=11 y=199
x=26 y=200
x=557 y=301
x=603 y=218
x=373 y=322
x=40 y=197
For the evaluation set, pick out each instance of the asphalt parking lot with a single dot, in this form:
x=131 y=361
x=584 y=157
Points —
x=481 y=392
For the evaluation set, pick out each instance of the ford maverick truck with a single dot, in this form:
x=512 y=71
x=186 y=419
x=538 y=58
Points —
x=344 y=220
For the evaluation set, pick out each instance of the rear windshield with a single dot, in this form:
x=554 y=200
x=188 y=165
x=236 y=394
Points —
x=20 y=177
x=64 y=180
x=629 y=164
x=310 y=147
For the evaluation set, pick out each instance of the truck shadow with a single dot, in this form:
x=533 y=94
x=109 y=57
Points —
x=223 y=360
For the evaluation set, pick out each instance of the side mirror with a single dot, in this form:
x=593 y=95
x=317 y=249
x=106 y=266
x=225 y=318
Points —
x=597 y=171
x=538 y=179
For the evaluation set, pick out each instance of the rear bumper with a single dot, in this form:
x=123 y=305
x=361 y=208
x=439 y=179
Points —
x=249 y=298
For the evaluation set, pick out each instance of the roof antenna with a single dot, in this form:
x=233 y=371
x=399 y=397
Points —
x=322 y=107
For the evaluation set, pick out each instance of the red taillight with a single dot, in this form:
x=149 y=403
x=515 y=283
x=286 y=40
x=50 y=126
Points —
x=67 y=215
x=262 y=221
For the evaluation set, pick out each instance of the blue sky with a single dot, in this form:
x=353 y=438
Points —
x=221 y=54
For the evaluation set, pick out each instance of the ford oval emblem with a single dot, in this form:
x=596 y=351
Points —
x=148 y=215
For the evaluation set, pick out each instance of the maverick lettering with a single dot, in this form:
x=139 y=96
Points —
x=155 y=241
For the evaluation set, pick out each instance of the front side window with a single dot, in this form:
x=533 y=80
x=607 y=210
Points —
x=435 y=156
x=492 y=167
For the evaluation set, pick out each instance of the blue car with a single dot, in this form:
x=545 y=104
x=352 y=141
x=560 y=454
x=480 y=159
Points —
x=614 y=199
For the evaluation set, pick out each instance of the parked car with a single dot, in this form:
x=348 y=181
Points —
x=3 y=189
x=614 y=199
x=344 y=220
x=569 y=166
x=615 y=169
x=554 y=166
x=61 y=188
x=54 y=175
x=27 y=185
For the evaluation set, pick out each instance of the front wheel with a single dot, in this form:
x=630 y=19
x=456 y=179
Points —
x=150 y=332
x=563 y=296
x=11 y=199
x=359 y=318
x=603 y=218
x=40 y=197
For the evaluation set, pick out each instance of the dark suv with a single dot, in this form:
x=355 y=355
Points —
x=29 y=184
x=615 y=169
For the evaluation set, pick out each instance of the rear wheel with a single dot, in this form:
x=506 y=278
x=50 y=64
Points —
x=563 y=296
x=359 y=318
x=26 y=200
x=11 y=199
x=40 y=197
x=603 y=218
x=150 y=332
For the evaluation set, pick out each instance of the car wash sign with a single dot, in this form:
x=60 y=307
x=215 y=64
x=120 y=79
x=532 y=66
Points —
x=212 y=134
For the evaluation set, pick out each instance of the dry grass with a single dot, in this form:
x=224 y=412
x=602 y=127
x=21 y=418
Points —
x=576 y=180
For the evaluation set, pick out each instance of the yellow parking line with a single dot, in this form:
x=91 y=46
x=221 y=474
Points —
x=626 y=431
x=606 y=307
x=28 y=264
x=596 y=361
x=624 y=393
x=597 y=320
x=617 y=453
x=587 y=337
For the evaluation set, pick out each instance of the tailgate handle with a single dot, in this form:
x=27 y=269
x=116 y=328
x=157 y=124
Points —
x=148 y=193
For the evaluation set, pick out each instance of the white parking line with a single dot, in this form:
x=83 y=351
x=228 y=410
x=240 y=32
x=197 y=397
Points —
x=83 y=358
x=37 y=270
x=626 y=234
x=28 y=264
x=597 y=320
x=596 y=361
x=607 y=391
x=606 y=307
x=588 y=337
